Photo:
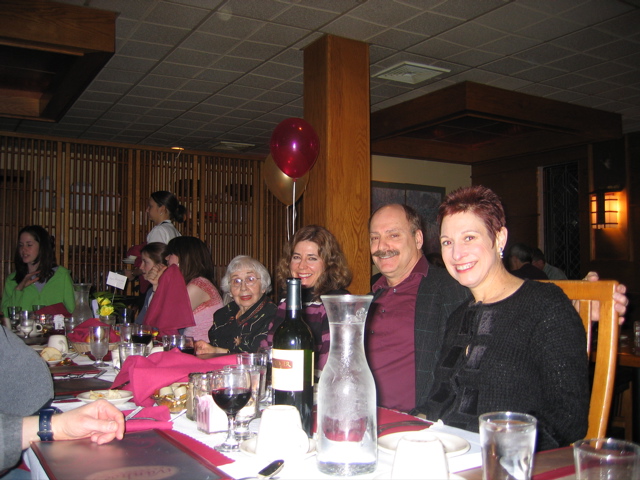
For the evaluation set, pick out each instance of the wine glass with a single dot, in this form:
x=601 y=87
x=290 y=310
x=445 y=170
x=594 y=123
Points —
x=99 y=343
x=231 y=390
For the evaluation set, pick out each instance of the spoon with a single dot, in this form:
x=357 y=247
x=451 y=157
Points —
x=269 y=471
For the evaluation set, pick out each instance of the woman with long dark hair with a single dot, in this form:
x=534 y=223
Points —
x=38 y=279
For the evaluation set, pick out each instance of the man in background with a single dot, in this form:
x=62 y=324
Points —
x=538 y=260
x=520 y=263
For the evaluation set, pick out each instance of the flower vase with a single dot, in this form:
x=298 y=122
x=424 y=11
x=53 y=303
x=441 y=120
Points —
x=108 y=319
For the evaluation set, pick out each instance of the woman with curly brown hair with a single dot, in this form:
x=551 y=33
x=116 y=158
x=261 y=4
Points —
x=315 y=257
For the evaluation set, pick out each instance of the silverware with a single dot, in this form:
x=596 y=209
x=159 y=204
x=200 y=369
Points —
x=404 y=423
x=141 y=418
x=133 y=413
x=102 y=372
x=269 y=471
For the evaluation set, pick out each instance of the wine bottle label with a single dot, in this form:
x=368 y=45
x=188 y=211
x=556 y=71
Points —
x=287 y=372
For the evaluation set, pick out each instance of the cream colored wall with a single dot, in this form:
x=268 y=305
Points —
x=420 y=172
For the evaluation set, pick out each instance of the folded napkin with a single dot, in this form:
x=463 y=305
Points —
x=387 y=416
x=170 y=307
x=55 y=309
x=148 y=374
x=160 y=414
x=81 y=332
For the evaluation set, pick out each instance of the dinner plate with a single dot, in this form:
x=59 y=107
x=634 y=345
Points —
x=125 y=396
x=249 y=447
x=453 y=444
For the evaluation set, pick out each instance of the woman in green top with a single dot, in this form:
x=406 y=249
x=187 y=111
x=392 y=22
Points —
x=38 y=280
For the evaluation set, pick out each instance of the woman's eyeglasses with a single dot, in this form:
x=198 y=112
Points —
x=248 y=281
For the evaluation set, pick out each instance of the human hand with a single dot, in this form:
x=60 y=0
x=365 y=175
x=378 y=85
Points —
x=153 y=275
x=29 y=279
x=620 y=300
x=99 y=420
x=203 y=347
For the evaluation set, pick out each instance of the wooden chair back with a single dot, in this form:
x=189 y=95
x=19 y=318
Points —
x=583 y=294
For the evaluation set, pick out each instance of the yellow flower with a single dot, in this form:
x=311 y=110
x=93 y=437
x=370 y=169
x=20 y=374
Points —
x=103 y=301
x=106 y=310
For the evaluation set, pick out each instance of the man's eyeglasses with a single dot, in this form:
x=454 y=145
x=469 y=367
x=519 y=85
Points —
x=248 y=281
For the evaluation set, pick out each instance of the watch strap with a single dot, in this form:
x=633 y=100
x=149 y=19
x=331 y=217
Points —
x=44 y=429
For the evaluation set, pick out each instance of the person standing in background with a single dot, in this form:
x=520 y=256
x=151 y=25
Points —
x=38 y=279
x=163 y=209
x=538 y=260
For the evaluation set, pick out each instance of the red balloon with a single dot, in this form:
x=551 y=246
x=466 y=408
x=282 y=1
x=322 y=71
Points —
x=294 y=147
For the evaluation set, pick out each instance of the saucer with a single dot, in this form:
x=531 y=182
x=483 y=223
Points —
x=249 y=447
x=453 y=444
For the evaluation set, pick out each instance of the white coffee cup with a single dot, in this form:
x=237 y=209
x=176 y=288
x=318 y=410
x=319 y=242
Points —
x=420 y=455
x=280 y=433
x=59 y=342
x=37 y=330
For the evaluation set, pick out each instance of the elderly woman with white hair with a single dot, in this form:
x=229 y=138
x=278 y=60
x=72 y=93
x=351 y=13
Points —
x=242 y=324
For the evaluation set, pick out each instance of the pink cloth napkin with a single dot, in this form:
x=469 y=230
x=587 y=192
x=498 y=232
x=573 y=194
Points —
x=148 y=374
x=162 y=419
x=170 y=307
x=387 y=415
x=81 y=332
x=55 y=309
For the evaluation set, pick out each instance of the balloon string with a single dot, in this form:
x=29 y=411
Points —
x=293 y=209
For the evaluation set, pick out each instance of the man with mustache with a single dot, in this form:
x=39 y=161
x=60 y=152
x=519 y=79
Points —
x=412 y=302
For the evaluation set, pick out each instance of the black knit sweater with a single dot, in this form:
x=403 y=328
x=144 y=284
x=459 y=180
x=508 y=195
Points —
x=526 y=353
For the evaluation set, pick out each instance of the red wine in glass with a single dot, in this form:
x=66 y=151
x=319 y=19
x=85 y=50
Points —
x=189 y=350
x=141 y=338
x=231 y=400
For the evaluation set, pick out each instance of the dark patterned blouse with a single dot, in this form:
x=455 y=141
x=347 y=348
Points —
x=244 y=333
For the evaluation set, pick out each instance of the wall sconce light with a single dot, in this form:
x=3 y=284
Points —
x=604 y=209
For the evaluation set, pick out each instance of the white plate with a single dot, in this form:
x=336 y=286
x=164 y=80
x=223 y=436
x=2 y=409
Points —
x=125 y=396
x=249 y=447
x=453 y=444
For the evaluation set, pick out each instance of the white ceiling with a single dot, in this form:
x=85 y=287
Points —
x=192 y=73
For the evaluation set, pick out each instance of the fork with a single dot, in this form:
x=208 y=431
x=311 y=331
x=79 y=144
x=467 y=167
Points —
x=133 y=413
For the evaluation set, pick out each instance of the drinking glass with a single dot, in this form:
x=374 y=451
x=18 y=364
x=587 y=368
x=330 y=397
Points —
x=125 y=330
x=35 y=308
x=262 y=357
x=231 y=390
x=184 y=343
x=14 y=315
x=99 y=343
x=250 y=410
x=26 y=324
x=507 y=440
x=126 y=350
x=606 y=459
x=141 y=334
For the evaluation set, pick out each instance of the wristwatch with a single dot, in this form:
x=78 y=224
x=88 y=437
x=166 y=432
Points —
x=44 y=432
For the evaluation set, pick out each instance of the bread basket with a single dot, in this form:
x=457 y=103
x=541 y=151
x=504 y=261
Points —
x=85 y=347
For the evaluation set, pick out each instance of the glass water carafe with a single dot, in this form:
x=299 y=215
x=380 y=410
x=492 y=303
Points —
x=346 y=431
x=83 y=310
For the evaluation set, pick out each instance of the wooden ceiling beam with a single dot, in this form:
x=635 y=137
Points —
x=53 y=51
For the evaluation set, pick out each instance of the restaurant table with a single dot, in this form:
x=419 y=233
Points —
x=247 y=465
x=548 y=465
x=628 y=357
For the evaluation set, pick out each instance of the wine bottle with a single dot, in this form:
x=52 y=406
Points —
x=292 y=357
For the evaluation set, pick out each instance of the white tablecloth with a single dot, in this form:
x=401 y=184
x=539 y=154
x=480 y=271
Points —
x=246 y=465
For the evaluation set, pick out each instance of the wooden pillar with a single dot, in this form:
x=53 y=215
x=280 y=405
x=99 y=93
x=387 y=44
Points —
x=336 y=104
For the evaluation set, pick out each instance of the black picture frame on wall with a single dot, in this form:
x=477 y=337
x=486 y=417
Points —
x=425 y=199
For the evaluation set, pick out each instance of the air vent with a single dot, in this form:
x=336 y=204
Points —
x=409 y=72
x=233 y=146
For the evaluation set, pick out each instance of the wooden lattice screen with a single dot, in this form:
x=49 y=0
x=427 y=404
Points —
x=92 y=199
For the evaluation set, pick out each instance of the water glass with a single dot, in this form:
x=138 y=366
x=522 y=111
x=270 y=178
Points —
x=99 y=343
x=35 y=308
x=606 y=459
x=26 y=324
x=250 y=410
x=262 y=357
x=184 y=343
x=125 y=330
x=13 y=313
x=507 y=440
x=128 y=349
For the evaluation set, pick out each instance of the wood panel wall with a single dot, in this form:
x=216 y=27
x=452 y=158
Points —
x=92 y=198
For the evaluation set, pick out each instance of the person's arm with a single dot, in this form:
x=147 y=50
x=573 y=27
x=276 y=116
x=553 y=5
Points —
x=620 y=300
x=153 y=277
x=99 y=420
x=203 y=347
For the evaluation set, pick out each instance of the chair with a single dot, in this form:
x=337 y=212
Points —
x=583 y=293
